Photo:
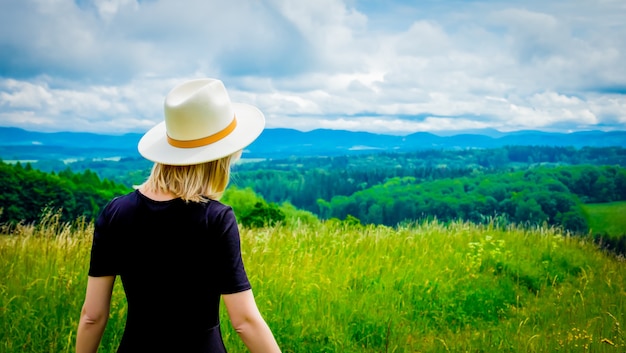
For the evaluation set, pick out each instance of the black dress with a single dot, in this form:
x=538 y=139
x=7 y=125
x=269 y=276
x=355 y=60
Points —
x=175 y=259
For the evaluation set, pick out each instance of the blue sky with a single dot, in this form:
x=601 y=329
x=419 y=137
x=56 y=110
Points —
x=393 y=67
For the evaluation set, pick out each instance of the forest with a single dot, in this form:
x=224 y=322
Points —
x=536 y=196
x=521 y=184
x=26 y=193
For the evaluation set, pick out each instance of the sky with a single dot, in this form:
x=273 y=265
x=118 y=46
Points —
x=389 y=67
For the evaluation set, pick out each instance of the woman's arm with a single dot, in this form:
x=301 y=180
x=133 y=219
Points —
x=248 y=322
x=95 y=313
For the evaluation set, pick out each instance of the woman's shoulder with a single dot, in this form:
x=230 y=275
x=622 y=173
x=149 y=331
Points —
x=217 y=208
x=216 y=213
x=119 y=209
x=129 y=199
x=122 y=204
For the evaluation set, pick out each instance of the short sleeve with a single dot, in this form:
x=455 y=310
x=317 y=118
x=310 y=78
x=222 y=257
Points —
x=233 y=278
x=104 y=250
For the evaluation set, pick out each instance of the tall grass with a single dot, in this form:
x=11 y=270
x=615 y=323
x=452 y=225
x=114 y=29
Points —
x=332 y=287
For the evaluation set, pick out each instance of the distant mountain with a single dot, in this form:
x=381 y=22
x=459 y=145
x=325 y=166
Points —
x=10 y=136
x=281 y=142
x=18 y=144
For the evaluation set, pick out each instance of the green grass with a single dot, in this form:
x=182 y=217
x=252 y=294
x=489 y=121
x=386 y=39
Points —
x=330 y=287
x=607 y=218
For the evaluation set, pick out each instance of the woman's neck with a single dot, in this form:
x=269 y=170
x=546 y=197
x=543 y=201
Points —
x=156 y=195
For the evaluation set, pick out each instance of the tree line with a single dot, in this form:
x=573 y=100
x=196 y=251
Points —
x=303 y=181
x=518 y=182
x=297 y=177
x=536 y=196
x=26 y=192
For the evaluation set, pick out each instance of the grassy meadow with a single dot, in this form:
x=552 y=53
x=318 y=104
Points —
x=607 y=218
x=332 y=287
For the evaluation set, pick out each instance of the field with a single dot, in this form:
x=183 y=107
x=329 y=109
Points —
x=332 y=287
x=607 y=218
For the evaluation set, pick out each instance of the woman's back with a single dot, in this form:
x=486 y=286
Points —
x=175 y=259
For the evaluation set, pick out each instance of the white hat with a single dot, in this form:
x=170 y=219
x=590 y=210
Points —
x=201 y=125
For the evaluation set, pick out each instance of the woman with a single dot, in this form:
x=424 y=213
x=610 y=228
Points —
x=174 y=245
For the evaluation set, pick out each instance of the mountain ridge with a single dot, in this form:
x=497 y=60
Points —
x=17 y=143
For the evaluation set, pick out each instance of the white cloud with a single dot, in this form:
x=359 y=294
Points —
x=109 y=8
x=24 y=95
x=105 y=65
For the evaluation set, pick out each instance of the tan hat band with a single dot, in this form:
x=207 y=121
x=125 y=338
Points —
x=205 y=140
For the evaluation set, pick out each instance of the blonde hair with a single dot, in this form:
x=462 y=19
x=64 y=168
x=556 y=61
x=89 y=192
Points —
x=196 y=183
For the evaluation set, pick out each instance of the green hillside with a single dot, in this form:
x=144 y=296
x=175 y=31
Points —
x=374 y=193
x=339 y=286
x=607 y=218
x=26 y=193
x=333 y=287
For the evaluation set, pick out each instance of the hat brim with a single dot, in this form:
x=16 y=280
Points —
x=250 y=123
